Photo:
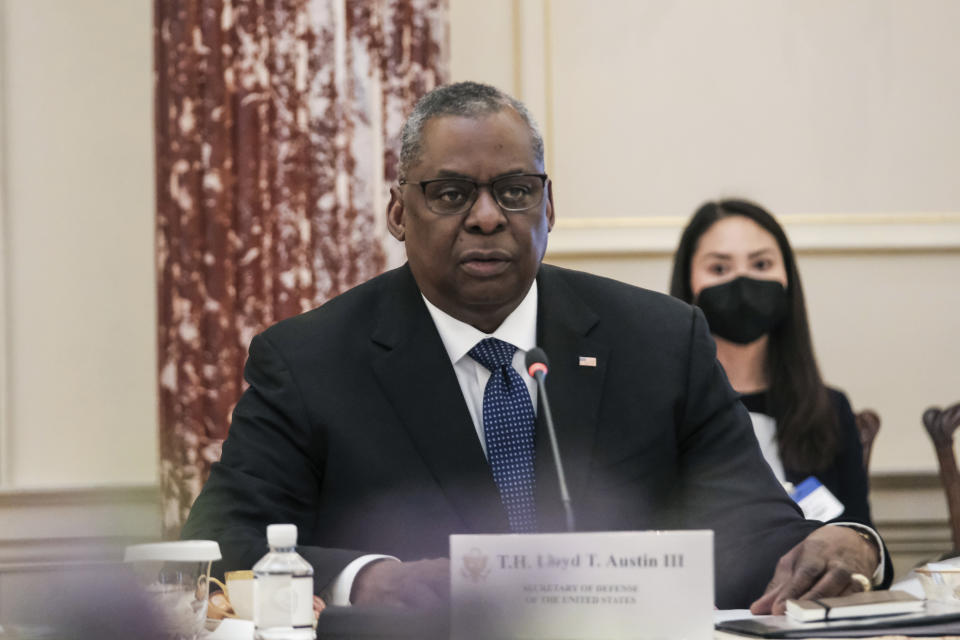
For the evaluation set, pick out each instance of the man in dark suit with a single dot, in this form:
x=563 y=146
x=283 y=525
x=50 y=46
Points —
x=371 y=424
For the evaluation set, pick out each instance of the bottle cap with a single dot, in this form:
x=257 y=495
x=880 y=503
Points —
x=282 y=535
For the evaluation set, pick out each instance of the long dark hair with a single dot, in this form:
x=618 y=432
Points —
x=807 y=426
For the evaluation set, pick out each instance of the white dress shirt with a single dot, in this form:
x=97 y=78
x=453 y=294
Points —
x=765 y=428
x=520 y=330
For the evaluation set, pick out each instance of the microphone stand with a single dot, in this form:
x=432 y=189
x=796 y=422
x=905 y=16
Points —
x=540 y=376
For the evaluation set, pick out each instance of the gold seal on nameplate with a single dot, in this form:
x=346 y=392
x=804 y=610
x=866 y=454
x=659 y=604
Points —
x=475 y=567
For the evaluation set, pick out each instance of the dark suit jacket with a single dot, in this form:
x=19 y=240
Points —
x=845 y=476
x=355 y=429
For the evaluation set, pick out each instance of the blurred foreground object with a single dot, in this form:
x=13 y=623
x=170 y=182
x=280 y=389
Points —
x=175 y=579
x=101 y=603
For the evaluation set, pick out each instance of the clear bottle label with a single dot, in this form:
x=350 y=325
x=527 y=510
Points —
x=283 y=601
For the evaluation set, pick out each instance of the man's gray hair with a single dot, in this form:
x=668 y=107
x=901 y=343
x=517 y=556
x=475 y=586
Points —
x=467 y=99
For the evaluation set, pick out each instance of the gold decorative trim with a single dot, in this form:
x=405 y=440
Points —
x=905 y=481
x=43 y=528
x=5 y=473
x=517 y=16
x=790 y=219
x=32 y=554
x=808 y=232
x=82 y=496
x=548 y=125
x=635 y=222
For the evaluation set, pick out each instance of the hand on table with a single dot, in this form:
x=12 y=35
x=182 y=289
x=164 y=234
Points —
x=424 y=584
x=819 y=567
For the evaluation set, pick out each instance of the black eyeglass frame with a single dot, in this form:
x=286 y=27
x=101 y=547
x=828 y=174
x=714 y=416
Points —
x=476 y=190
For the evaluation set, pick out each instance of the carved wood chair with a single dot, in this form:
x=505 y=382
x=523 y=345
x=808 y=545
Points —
x=868 y=424
x=940 y=424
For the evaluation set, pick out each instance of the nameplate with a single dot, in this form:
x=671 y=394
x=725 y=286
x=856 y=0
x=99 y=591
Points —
x=583 y=586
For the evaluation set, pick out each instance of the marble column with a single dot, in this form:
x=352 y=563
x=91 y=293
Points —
x=277 y=125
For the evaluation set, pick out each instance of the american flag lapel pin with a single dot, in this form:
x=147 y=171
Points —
x=587 y=361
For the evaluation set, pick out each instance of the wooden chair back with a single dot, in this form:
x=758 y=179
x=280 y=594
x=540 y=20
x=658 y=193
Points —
x=868 y=424
x=940 y=424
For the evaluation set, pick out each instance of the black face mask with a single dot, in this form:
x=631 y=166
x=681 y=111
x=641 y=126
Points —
x=744 y=309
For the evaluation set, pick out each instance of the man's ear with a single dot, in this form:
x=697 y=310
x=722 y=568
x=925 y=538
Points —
x=396 y=222
x=549 y=205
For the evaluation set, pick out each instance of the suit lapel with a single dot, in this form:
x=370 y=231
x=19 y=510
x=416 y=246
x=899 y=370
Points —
x=575 y=391
x=415 y=374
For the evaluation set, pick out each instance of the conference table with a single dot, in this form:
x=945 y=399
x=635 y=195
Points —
x=342 y=623
x=367 y=624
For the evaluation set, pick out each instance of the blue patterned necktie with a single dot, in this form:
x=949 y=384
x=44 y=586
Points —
x=508 y=427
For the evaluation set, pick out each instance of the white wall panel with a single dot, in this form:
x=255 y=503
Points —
x=78 y=214
x=839 y=116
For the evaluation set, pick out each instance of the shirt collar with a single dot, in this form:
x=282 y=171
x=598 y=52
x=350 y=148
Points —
x=519 y=328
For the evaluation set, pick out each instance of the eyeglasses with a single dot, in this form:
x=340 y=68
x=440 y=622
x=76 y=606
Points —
x=452 y=196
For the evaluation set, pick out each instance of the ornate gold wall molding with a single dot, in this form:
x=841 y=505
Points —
x=4 y=392
x=532 y=72
x=48 y=528
x=810 y=232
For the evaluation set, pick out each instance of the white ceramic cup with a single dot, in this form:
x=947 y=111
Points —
x=239 y=591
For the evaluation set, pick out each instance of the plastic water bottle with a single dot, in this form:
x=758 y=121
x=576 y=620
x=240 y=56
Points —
x=283 y=589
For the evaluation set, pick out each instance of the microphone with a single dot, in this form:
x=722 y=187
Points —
x=537 y=367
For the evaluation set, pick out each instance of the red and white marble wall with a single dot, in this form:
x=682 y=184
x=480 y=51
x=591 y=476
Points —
x=276 y=141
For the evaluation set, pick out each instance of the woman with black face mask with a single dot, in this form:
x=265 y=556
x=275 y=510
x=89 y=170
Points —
x=735 y=263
